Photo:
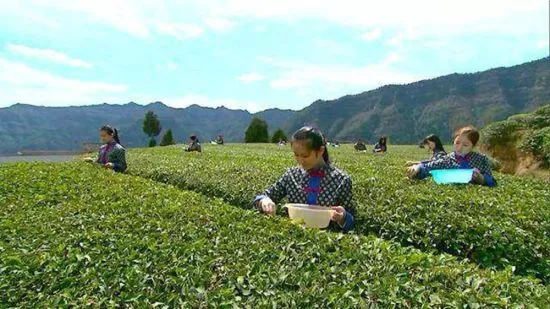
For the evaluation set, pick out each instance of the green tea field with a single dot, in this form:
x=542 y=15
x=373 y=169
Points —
x=178 y=230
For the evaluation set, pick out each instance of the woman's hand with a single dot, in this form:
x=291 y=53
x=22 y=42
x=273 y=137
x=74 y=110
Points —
x=412 y=171
x=339 y=215
x=109 y=165
x=267 y=206
x=477 y=177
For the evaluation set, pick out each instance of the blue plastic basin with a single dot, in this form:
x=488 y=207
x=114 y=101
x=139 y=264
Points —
x=452 y=176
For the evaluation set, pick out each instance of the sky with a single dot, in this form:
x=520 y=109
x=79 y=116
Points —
x=250 y=54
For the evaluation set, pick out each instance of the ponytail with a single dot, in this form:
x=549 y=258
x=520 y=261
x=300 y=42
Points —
x=115 y=136
x=326 y=157
x=111 y=131
x=315 y=140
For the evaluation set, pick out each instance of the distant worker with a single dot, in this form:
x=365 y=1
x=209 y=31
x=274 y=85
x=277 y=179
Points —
x=360 y=145
x=219 y=140
x=194 y=144
x=381 y=146
x=433 y=143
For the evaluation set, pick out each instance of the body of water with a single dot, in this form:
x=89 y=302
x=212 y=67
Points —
x=46 y=158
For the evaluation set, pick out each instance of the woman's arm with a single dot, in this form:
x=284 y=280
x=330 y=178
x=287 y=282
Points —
x=484 y=167
x=346 y=201
x=276 y=192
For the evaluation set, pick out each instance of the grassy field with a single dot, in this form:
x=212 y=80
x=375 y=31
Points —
x=75 y=235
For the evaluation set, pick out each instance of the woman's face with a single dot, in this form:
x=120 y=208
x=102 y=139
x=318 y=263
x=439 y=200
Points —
x=430 y=145
x=105 y=136
x=307 y=158
x=462 y=145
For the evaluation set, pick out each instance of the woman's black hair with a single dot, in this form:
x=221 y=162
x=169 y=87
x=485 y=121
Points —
x=315 y=140
x=382 y=140
x=436 y=140
x=111 y=131
x=193 y=138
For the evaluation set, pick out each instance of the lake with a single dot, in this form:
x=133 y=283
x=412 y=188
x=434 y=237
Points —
x=47 y=158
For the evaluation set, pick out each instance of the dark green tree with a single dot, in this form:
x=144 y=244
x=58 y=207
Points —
x=168 y=138
x=257 y=132
x=278 y=136
x=151 y=127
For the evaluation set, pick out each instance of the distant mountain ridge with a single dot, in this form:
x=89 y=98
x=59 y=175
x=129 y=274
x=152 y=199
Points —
x=405 y=113
x=28 y=127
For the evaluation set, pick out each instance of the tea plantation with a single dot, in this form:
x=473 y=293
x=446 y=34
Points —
x=76 y=235
x=494 y=227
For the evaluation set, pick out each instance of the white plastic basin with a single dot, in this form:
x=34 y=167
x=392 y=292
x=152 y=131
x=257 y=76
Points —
x=311 y=216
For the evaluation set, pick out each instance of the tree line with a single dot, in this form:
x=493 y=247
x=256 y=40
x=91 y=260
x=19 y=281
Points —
x=257 y=132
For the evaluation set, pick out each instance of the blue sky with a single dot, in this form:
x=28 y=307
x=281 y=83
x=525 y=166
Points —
x=250 y=54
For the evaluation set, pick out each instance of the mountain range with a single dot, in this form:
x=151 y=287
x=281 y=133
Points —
x=404 y=113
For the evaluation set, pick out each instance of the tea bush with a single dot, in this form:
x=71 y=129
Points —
x=495 y=227
x=72 y=235
x=524 y=133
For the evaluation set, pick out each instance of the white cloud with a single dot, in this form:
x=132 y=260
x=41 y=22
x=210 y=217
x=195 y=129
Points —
x=427 y=17
x=124 y=15
x=219 y=24
x=542 y=44
x=260 y=28
x=406 y=35
x=141 y=17
x=21 y=83
x=391 y=58
x=332 y=47
x=302 y=76
x=48 y=54
x=206 y=101
x=180 y=31
x=250 y=77
x=20 y=11
x=168 y=66
x=372 y=35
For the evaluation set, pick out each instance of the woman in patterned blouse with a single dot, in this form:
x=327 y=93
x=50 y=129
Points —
x=314 y=182
x=434 y=144
x=462 y=157
x=111 y=155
